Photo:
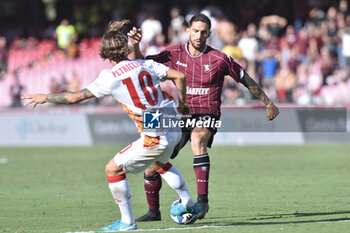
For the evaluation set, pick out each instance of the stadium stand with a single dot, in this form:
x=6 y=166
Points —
x=312 y=43
x=38 y=65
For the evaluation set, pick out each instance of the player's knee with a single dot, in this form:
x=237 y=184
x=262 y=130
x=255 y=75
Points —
x=108 y=169
x=112 y=168
x=199 y=142
x=199 y=139
x=150 y=171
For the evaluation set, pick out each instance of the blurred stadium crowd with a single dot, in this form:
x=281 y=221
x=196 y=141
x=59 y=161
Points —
x=298 y=50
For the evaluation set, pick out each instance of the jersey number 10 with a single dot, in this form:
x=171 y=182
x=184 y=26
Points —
x=134 y=95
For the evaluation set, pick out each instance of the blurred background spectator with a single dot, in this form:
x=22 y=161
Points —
x=62 y=84
x=16 y=91
x=53 y=86
x=177 y=27
x=299 y=51
x=3 y=57
x=151 y=27
x=66 y=36
x=249 y=46
x=74 y=82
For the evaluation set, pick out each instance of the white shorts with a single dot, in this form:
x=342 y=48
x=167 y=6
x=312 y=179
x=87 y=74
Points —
x=140 y=154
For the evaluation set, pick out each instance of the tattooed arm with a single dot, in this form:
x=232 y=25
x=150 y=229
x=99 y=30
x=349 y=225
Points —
x=271 y=109
x=62 y=98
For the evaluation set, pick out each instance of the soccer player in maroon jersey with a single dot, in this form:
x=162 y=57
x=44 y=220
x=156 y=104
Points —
x=205 y=68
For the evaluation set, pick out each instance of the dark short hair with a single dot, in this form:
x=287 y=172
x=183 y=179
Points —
x=200 y=17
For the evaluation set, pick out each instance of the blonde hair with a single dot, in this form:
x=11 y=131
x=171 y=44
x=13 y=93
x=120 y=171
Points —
x=114 y=44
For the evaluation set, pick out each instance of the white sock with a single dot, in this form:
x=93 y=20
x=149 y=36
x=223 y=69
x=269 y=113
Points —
x=122 y=196
x=174 y=179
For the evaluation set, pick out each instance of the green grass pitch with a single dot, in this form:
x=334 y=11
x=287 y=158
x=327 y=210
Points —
x=252 y=189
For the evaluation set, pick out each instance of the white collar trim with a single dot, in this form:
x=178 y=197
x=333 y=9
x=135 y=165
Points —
x=188 y=52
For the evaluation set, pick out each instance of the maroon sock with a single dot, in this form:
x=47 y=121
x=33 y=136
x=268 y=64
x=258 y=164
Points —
x=152 y=186
x=201 y=167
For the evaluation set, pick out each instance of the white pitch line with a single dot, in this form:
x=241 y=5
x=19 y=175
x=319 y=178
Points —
x=205 y=226
x=161 y=229
x=343 y=221
x=3 y=160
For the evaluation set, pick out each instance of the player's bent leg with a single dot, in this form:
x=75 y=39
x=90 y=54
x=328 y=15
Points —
x=152 y=179
x=185 y=137
x=112 y=169
x=175 y=180
x=199 y=140
x=152 y=185
x=201 y=166
x=120 y=190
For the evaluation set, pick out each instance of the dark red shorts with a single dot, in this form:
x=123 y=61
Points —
x=186 y=133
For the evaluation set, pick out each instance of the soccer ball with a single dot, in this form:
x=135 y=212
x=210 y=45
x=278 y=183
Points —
x=186 y=218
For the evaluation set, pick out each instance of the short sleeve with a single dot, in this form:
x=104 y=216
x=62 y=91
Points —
x=162 y=57
x=160 y=70
x=233 y=69
x=102 y=85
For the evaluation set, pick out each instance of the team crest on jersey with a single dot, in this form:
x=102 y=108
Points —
x=207 y=68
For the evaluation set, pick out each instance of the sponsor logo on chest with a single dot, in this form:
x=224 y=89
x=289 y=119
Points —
x=197 y=91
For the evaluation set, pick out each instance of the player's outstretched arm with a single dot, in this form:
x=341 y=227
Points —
x=62 y=98
x=179 y=79
x=135 y=36
x=271 y=109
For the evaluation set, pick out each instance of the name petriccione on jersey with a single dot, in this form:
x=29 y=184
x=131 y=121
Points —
x=135 y=84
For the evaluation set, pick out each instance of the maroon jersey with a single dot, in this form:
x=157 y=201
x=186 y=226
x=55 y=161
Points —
x=205 y=75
